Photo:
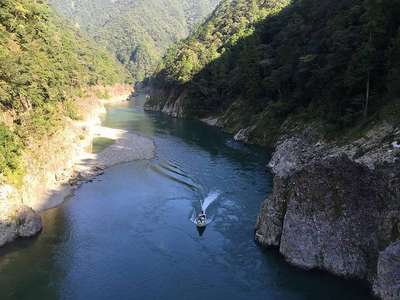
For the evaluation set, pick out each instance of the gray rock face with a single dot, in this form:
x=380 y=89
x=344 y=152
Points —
x=212 y=121
x=243 y=135
x=19 y=221
x=174 y=109
x=387 y=284
x=270 y=220
x=173 y=104
x=334 y=208
x=335 y=218
x=29 y=222
x=8 y=231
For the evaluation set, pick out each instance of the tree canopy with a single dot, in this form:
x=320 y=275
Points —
x=264 y=61
x=43 y=59
x=137 y=31
x=43 y=62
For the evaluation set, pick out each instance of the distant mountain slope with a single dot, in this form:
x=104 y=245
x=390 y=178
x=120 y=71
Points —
x=44 y=63
x=260 y=63
x=137 y=31
x=42 y=57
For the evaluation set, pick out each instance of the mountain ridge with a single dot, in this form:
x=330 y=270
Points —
x=137 y=31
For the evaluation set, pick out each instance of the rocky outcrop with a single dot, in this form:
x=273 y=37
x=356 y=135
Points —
x=174 y=108
x=387 y=285
x=18 y=221
x=336 y=207
x=243 y=135
x=270 y=220
x=212 y=121
x=171 y=104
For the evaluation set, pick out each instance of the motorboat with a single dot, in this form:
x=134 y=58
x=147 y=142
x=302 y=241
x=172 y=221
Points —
x=201 y=220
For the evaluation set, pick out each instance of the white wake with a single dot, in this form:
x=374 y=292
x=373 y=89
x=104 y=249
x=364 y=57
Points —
x=211 y=197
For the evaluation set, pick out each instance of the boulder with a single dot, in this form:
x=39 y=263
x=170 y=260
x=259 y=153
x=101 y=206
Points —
x=29 y=222
x=18 y=221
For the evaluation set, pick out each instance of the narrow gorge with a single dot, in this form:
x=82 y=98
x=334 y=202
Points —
x=164 y=149
x=335 y=204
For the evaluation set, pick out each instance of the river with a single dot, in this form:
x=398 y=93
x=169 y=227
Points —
x=128 y=234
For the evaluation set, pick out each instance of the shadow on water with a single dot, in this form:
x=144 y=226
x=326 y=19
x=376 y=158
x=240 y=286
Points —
x=239 y=171
x=201 y=230
x=192 y=132
x=128 y=234
x=29 y=267
x=196 y=133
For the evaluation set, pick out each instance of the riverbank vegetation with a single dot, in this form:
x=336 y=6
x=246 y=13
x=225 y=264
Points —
x=267 y=65
x=44 y=64
x=136 y=31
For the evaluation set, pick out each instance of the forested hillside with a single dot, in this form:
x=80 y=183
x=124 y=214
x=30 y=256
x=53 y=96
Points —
x=44 y=63
x=137 y=31
x=260 y=63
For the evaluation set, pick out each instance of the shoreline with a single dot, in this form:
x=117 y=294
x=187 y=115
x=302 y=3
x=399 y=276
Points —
x=307 y=203
x=127 y=147
x=51 y=179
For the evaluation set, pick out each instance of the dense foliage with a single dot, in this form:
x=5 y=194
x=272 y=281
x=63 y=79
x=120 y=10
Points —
x=229 y=23
x=260 y=62
x=43 y=61
x=10 y=152
x=137 y=31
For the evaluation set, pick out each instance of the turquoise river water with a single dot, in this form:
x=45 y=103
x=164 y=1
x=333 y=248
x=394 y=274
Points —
x=128 y=234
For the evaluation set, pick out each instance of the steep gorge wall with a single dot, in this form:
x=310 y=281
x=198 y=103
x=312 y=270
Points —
x=168 y=101
x=337 y=207
x=333 y=207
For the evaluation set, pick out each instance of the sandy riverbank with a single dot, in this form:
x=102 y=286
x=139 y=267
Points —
x=127 y=147
x=60 y=163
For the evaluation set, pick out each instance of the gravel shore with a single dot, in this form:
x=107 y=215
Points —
x=127 y=147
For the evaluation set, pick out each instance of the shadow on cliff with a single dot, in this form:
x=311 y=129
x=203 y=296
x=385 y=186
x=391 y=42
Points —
x=219 y=83
x=302 y=64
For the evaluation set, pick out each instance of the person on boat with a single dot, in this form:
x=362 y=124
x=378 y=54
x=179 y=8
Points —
x=202 y=217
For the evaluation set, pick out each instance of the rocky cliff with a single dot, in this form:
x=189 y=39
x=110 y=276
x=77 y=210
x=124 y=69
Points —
x=337 y=207
x=169 y=102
